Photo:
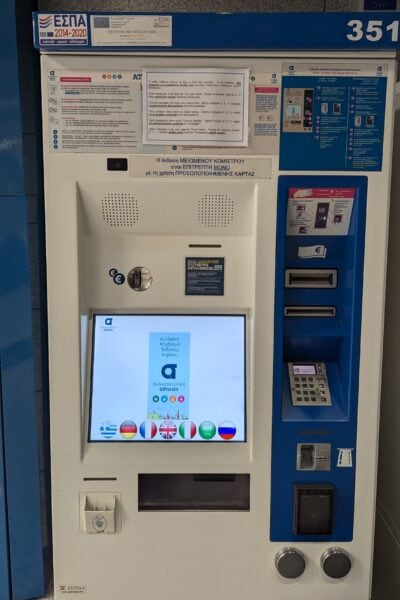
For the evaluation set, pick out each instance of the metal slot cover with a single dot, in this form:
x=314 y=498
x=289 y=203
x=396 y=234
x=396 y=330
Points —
x=310 y=311
x=310 y=278
x=313 y=457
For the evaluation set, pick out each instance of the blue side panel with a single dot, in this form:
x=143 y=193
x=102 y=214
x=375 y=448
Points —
x=21 y=471
x=4 y=556
x=19 y=408
x=335 y=341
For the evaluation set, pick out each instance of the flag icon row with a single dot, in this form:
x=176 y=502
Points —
x=168 y=430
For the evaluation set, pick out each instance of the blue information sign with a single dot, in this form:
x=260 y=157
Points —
x=332 y=123
x=168 y=392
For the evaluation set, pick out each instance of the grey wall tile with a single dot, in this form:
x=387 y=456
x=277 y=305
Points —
x=386 y=572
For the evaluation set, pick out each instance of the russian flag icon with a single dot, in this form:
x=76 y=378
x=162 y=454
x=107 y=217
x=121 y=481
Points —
x=227 y=430
x=148 y=430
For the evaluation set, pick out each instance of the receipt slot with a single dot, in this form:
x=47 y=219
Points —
x=216 y=223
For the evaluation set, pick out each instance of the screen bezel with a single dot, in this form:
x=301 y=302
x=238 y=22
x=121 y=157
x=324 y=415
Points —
x=91 y=345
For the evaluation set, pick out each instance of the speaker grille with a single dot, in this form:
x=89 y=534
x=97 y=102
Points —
x=120 y=210
x=216 y=210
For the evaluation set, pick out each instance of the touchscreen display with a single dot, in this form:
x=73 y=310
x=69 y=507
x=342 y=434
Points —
x=168 y=378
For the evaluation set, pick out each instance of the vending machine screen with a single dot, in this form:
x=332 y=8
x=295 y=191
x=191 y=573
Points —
x=168 y=378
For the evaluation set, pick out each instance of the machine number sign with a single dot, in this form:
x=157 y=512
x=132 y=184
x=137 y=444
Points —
x=373 y=32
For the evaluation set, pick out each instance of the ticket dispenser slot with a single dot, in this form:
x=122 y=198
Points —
x=317 y=340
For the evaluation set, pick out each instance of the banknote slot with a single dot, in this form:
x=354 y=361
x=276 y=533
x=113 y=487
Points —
x=203 y=492
x=311 y=278
x=310 y=311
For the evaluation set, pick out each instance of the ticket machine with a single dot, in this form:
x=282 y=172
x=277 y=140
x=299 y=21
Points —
x=216 y=229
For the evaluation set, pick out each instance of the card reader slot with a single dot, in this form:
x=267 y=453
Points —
x=310 y=278
x=310 y=311
x=178 y=491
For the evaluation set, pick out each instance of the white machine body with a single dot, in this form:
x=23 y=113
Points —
x=97 y=220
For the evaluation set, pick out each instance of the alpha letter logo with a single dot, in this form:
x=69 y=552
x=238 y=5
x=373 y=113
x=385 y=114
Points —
x=108 y=321
x=169 y=371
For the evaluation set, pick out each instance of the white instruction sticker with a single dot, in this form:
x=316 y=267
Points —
x=345 y=457
x=167 y=166
x=265 y=97
x=93 y=111
x=318 y=251
x=319 y=211
x=131 y=30
x=200 y=107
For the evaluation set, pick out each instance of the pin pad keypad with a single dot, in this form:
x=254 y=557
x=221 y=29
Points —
x=309 y=384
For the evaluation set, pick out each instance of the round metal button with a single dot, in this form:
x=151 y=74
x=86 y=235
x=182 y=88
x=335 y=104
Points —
x=336 y=563
x=140 y=279
x=290 y=563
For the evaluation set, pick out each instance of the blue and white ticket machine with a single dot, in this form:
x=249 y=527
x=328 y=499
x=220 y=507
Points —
x=217 y=195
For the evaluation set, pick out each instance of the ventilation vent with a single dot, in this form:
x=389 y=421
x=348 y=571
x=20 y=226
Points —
x=120 y=210
x=215 y=210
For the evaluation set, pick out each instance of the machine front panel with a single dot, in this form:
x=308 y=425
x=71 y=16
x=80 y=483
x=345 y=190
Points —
x=215 y=325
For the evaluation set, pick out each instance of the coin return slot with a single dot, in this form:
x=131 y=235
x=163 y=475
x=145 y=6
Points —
x=310 y=311
x=311 y=278
x=98 y=512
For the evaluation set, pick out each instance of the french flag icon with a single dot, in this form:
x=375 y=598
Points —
x=148 y=430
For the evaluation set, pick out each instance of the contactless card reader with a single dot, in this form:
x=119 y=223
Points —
x=309 y=384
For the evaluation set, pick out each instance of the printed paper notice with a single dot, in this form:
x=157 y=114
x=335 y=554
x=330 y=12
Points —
x=200 y=107
x=93 y=111
x=131 y=30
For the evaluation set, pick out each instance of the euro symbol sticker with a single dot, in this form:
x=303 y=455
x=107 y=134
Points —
x=119 y=278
